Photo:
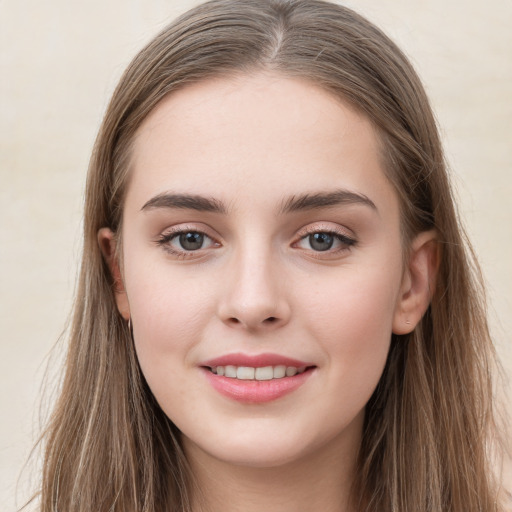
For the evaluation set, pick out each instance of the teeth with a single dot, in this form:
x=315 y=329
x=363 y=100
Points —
x=279 y=371
x=230 y=371
x=245 y=373
x=265 y=373
x=291 y=371
x=260 y=373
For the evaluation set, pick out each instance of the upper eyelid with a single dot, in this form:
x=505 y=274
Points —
x=189 y=227
x=325 y=227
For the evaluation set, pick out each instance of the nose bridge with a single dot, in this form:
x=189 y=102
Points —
x=255 y=295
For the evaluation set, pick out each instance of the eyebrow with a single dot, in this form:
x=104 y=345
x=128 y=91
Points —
x=293 y=204
x=185 y=202
x=325 y=200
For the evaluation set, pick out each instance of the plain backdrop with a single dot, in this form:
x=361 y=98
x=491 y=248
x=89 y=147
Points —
x=59 y=62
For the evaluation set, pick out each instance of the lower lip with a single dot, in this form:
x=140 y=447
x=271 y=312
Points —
x=256 y=391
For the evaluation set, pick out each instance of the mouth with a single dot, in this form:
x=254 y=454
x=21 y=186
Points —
x=259 y=373
x=256 y=379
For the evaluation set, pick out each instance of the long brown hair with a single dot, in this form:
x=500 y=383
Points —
x=109 y=447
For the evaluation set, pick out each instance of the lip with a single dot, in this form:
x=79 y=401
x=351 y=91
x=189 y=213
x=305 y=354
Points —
x=254 y=391
x=258 y=360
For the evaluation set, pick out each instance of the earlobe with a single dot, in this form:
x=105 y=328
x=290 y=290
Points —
x=418 y=283
x=107 y=243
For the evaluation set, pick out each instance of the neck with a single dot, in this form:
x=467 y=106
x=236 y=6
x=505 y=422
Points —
x=316 y=481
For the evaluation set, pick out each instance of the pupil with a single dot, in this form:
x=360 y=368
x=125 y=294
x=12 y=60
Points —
x=321 y=241
x=191 y=241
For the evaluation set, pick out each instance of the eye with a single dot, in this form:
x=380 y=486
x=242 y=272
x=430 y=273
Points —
x=182 y=242
x=322 y=241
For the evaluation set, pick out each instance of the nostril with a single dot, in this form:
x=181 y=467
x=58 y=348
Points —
x=252 y=323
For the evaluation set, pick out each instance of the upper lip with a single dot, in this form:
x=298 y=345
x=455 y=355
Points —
x=255 y=361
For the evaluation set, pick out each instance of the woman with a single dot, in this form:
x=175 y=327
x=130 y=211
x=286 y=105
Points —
x=276 y=310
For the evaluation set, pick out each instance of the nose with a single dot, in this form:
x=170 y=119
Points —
x=254 y=297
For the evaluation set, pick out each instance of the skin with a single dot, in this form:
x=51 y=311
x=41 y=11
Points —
x=257 y=285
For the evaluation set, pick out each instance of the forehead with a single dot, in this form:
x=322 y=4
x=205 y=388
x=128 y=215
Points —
x=255 y=134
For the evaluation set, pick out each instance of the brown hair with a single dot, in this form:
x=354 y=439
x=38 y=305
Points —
x=109 y=447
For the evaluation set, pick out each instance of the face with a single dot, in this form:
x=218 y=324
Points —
x=262 y=267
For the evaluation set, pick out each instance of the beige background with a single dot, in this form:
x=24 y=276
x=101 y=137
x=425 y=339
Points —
x=59 y=63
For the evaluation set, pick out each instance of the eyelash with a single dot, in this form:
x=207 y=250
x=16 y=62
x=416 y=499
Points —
x=165 y=239
x=345 y=241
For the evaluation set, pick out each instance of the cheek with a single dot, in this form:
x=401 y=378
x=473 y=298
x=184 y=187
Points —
x=169 y=315
x=354 y=300
x=168 y=321
x=351 y=317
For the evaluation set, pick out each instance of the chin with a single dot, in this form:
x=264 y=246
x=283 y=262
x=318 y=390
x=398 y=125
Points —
x=261 y=447
x=265 y=457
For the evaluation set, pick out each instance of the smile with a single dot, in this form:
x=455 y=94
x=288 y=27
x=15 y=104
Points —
x=257 y=373
x=253 y=379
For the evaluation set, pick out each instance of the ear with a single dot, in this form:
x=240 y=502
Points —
x=418 y=282
x=107 y=243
